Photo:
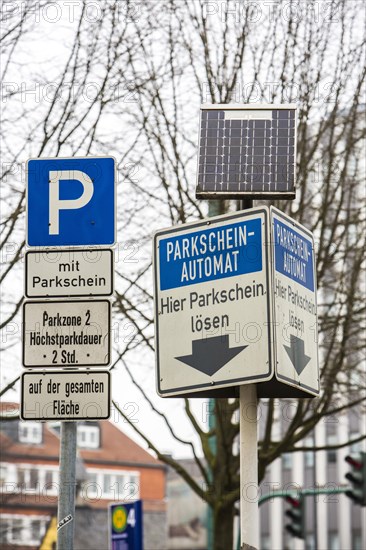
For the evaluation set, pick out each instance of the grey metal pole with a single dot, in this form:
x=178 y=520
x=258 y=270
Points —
x=214 y=209
x=249 y=511
x=315 y=509
x=66 y=498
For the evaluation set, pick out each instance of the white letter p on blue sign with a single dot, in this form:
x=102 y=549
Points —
x=71 y=202
x=57 y=204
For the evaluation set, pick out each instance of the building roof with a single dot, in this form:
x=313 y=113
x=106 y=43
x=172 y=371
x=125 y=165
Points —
x=118 y=447
x=49 y=448
x=115 y=448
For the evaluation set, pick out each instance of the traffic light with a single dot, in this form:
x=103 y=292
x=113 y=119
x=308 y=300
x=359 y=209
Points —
x=297 y=513
x=357 y=477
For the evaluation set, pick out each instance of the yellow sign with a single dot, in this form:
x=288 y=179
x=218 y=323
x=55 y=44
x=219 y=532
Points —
x=119 y=519
x=50 y=539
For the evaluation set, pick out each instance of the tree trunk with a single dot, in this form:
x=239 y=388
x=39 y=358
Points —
x=223 y=528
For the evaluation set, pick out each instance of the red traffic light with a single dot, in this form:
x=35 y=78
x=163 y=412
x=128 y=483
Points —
x=357 y=477
x=295 y=502
x=297 y=515
x=353 y=462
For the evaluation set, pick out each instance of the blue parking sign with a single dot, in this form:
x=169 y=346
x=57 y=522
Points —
x=125 y=526
x=71 y=201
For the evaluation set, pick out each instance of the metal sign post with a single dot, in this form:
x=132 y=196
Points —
x=70 y=203
x=66 y=498
x=249 y=511
x=248 y=410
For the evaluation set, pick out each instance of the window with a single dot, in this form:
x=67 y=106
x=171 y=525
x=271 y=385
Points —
x=4 y=528
x=107 y=484
x=8 y=476
x=332 y=453
x=48 y=477
x=50 y=484
x=92 y=477
x=22 y=531
x=27 y=478
x=133 y=487
x=30 y=432
x=22 y=477
x=48 y=480
x=287 y=461
x=333 y=541
x=36 y=529
x=265 y=542
x=287 y=541
x=112 y=485
x=356 y=447
x=88 y=437
x=16 y=530
x=33 y=478
x=119 y=484
x=310 y=541
x=356 y=540
x=91 y=488
x=3 y=474
x=37 y=479
x=309 y=455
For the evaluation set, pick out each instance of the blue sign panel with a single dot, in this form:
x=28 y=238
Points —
x=293 y=255
x=126 y=526
x=71 y=202
x=210 y=254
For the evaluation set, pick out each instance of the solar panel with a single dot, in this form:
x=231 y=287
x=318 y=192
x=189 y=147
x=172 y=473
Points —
x=247 y=150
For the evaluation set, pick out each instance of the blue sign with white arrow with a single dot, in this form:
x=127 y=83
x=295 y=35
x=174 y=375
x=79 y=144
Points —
x=71 y=201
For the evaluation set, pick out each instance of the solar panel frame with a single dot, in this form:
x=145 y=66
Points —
x=232 y=156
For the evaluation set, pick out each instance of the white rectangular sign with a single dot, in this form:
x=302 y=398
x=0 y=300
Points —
x=235 y=303
x=65 y=395
x=62 y=273
x=295 y=306
x=66 y=333
x=212 y=303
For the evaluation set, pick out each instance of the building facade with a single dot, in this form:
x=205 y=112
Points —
x=110 y=468
x=333 y=521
